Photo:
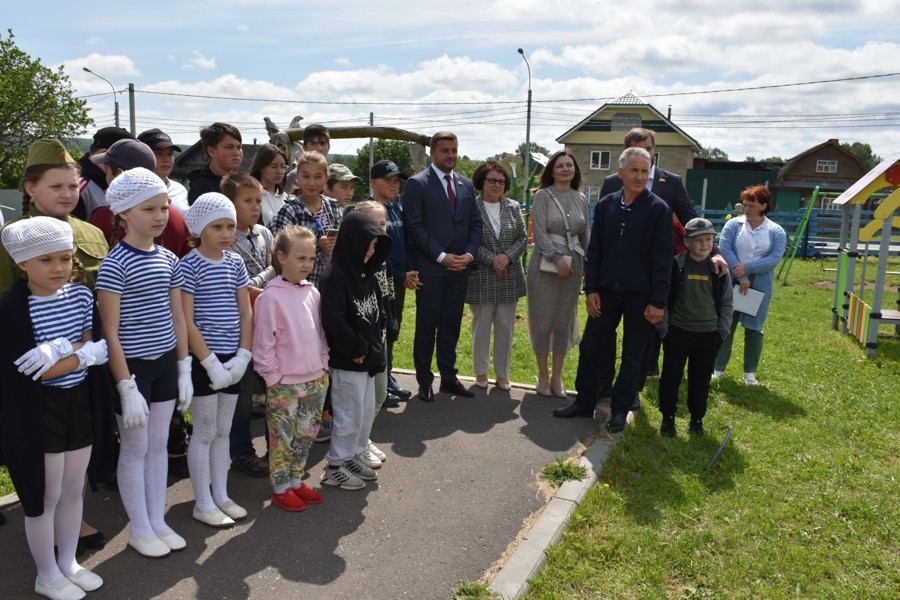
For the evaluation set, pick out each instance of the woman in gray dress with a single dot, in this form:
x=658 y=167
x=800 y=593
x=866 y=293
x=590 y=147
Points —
x=553 y=296
x=497 y=280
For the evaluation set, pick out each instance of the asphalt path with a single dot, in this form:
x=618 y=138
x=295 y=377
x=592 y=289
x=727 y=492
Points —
x=459 y=481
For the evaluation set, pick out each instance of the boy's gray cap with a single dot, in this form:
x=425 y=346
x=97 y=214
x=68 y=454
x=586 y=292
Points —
x=340 y=172
x=698 y=226
x=128 y=154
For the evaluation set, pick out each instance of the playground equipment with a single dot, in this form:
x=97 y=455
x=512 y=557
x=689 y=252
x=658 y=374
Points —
x=849 y=309
x=798 y=238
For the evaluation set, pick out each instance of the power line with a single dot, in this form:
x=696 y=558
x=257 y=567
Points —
x=514 y=102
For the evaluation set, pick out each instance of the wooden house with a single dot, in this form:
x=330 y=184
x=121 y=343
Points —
x=598 y=140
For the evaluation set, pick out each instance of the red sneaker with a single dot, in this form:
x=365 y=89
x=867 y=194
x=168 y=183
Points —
x=308 y=495
x=288 y=501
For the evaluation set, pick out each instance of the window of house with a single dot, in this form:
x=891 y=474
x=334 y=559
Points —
x=593 y=193
x=826 y=166
x=600 y=160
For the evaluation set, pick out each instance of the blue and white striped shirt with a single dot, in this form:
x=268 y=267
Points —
x=143 y=279
x=66 y=314
x=213 y=284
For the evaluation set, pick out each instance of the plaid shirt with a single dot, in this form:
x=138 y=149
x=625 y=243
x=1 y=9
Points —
x=295 y=212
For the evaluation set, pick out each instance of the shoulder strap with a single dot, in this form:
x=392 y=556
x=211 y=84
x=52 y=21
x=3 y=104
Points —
x=569 y=244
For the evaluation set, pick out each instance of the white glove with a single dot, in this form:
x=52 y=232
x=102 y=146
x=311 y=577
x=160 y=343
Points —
x=92 y=353
x=219 y=377
x=237 y=365
x=39 y=359
x=185 y=386
x=134 y=407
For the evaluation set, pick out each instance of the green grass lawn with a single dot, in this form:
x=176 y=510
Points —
x=802 y=503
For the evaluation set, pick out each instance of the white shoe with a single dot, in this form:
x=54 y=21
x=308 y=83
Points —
x=85 y=579
x=750 y=379
x=369 y=459
x=151 y=547
x=171 y=539
x=213 y=517
x=343 y=478
x=377 y=451
x=482 y=383
x=61 y=589
x=358 y=467
x=233 y=510
x=718 y=375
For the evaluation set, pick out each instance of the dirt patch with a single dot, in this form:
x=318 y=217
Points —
x=829 y=285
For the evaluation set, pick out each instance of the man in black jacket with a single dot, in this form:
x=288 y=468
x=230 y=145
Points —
x=627 y=277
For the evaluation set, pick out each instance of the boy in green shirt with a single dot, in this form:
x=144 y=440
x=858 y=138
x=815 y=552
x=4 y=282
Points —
x=698 y=319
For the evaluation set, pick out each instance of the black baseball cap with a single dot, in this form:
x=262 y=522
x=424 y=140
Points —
x=385 y=169
x=107 y=136
x=157 y=139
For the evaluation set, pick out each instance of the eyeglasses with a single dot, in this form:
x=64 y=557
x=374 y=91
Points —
x=278 y=167
x=496 y=181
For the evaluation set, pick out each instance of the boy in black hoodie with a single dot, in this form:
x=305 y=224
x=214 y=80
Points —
x=354 y=324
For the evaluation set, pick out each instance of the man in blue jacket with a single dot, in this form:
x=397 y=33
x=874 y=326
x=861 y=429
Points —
x=627 y=277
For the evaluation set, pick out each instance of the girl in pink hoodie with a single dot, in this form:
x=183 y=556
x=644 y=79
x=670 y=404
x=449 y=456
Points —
x=290 y=353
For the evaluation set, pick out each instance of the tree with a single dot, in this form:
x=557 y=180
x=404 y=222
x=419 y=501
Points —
x=713 y=154
x=864 y=153
x=395 y=150
x=35 y=102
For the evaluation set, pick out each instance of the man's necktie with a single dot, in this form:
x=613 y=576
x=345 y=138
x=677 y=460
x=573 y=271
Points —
x=451 y=194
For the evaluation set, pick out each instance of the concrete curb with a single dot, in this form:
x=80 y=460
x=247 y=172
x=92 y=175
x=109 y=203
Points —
x=530 y=555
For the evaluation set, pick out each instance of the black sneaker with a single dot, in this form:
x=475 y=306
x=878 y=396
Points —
x=616 y=423
x=696 y=427
x=667 y=429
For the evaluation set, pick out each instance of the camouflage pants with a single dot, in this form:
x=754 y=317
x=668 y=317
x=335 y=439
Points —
x=294 y=414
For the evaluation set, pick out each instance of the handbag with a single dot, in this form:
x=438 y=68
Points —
x=548 y=266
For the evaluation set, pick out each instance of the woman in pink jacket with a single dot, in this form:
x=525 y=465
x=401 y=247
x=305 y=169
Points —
x=290 y=353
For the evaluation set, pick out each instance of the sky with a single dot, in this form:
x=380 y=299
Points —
x=426 y=66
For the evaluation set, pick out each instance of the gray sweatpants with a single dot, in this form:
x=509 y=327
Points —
x=353 y=411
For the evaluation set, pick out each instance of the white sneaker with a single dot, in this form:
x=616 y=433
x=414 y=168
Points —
x=377 y=452
x=342 y=478
x=369 y=459
x=750 y=379
x=718 y=375
x=359 y=468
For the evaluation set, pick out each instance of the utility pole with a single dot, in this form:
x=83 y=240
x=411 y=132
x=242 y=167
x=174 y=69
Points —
x=131 y=109
x=371 y=147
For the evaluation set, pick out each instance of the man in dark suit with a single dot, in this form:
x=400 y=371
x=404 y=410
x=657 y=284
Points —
x=443 y=227
x=664 y=184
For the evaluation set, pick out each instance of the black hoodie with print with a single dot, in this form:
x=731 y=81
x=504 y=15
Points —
x=352 y=313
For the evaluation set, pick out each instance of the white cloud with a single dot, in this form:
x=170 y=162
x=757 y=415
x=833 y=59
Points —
x=342 y=61
x=199 y=62
x=94 y=41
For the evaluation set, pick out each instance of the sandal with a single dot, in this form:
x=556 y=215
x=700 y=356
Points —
x=251 y=465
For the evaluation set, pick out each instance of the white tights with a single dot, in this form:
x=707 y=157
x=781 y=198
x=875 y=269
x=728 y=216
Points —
x=208 y=452
x=63 y=482
x=142 y=471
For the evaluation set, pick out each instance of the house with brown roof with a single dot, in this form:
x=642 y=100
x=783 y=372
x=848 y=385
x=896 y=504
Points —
x=597 y=140
x=827 y=165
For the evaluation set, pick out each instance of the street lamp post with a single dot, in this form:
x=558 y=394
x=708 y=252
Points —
x=115 y=97
x=527 y=175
